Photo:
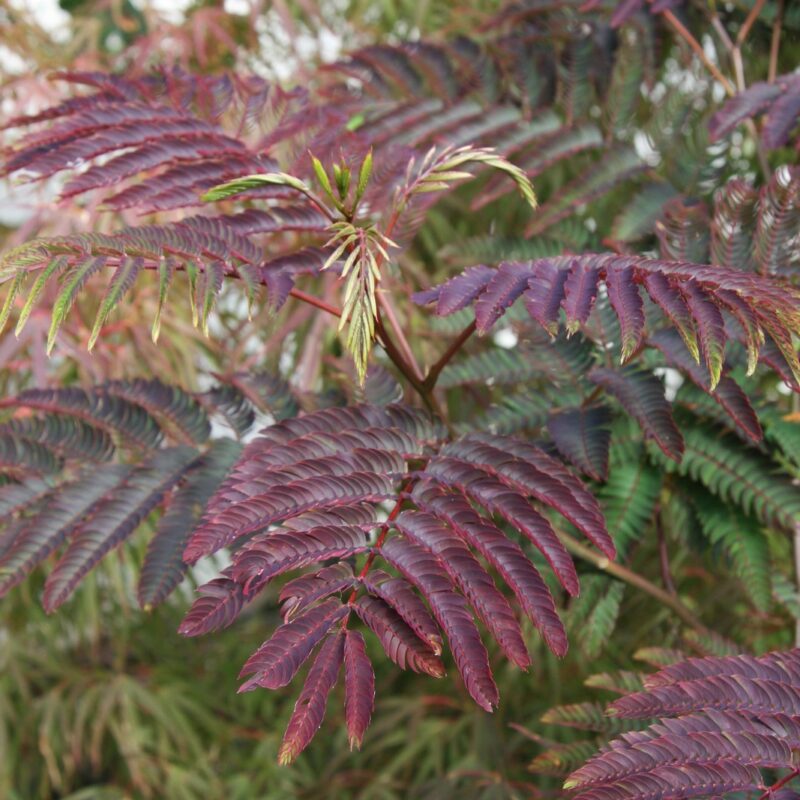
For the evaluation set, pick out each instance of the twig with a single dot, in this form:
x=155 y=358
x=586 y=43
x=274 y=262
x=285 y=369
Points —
x=749 y=22
x=663 y=554
x=634 y=579
x=776 y=43
x=686 y=35
x=381 y=537
x=385 y=305
x=735 y=53
x=782 y=782
x=455 y=346
x=315 y=301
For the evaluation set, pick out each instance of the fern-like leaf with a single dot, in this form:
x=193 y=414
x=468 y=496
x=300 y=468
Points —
x=114 y=520
x=734 y=719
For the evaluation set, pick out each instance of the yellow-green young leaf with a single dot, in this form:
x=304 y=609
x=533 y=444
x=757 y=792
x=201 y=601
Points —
x=121 y=281
x=74 y=282
x=8 y=303
x=351 y=294
x=30 y=254
x=364 y=175
x=517 y=175
x=53 y=268
x=322 y=177
x=450 y=175
x=431 y=186
x=348 y=264
x=239 y=185
x=210 y=283
x=166 y=269
x=342 y=176
x=355 y=122
x=339 y=251
x=252 y=281
x=191 y=274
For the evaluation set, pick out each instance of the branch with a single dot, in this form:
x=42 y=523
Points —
x=776 y=43
x=634 y=579
x=778 y=784
x=686 y=35
x=455 y=346
x=749 y=22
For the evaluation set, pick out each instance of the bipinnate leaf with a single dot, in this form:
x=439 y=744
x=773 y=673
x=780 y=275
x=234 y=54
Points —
x=95 y=407
x=163 y=566
x=359 y=688
x=277 y=661
x=642 y=394
x=220 y=602
x=691 y=295
x=727 y=393
x=472 y=579
x=400 y=643
x=626 y=301
x=302 y=592
x=115 y=519
x=310 y=707
x=273 y=553
x=449 y=608
x=583 y=436
x=186 y=418
x=734 y=717
x=57 y=521
x=505 y=555
x=754 y=100
x=400 y=596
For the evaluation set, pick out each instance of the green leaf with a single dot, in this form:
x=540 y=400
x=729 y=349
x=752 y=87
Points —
x=8 y=303
x=166 y=271
x=239 y=185
x=121 y=281
x=364 y=175
x=75 y=280
x=53 y=268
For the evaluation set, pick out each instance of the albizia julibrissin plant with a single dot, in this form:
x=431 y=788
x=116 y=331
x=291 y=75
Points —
x=436 y=503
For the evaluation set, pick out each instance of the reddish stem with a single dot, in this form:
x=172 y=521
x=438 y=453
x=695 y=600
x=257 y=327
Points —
x=782 y=782
x=381 y=539
x=315 y=301
x=686 y=35
x=458 y=342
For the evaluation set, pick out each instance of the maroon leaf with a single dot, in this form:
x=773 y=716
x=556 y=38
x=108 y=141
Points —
x=452 y=614
x=498 y=498
x=752 y=101
x=400 y=595
x=475 y=583
x=642 y=395
x=273 y=553
x=300 y=593
x=399 y=642
x=309 y=709
x=544 y=295
x=623 y=292
x=359 y=688
x=506 y=285
x=583 y=435
x=277 y=661
x=532 y=472
x=219 y=605
x=580 y=291
x=504 y=555
x=728 y=393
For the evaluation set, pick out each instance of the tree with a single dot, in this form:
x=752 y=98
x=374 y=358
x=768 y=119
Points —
x=514 y=401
